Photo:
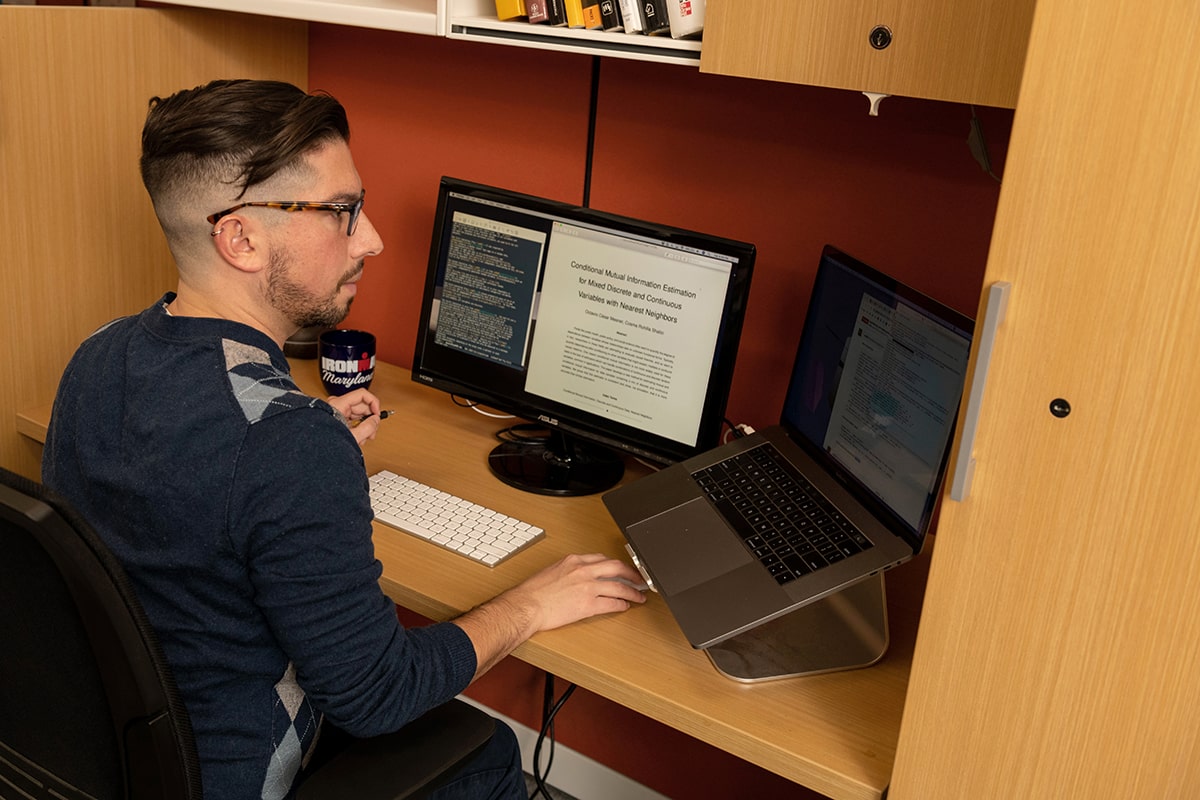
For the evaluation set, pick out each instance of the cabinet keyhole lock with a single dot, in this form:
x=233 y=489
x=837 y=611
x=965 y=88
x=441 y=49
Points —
x=880 y=37
x=1060 y=407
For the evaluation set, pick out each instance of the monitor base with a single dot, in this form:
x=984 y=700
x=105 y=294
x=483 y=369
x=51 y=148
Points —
x=556 y=464
x=847 y=630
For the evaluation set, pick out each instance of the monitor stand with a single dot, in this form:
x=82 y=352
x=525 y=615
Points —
x=847 y=630
x=556 y=464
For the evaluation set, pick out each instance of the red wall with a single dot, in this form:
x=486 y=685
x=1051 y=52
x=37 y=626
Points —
x=788 y=168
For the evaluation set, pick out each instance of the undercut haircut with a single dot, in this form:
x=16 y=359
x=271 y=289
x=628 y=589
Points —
x=236 y=132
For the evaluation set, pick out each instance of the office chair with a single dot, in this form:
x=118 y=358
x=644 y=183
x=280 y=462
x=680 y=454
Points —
x=88 y=706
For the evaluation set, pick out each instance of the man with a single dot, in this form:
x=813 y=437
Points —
x=238 y=505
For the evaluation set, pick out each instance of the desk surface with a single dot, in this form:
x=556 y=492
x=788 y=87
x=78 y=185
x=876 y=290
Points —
x=834 y=733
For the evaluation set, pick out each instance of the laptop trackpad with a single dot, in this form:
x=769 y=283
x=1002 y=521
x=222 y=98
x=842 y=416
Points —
x=687 y=546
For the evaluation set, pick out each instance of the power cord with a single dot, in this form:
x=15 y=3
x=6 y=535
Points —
x=550 y=709
x=463 y=402
x=735 y=431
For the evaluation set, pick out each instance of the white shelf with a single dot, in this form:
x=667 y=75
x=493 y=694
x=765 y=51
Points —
x=576 y=40
x=410 y=16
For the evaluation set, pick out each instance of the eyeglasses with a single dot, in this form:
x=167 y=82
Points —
x=353 y=209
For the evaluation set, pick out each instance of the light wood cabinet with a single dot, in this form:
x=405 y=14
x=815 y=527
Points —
x=1059 y=648
x=968 y=51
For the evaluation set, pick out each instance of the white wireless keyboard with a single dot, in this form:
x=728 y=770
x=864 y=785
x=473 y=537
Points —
x=479 y=533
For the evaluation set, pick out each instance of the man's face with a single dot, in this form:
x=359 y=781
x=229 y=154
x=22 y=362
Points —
x=314 y=265
x=300 y=305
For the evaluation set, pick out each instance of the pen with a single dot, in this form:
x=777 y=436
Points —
x=382 y=416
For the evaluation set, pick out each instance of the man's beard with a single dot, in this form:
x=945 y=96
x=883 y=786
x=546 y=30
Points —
x=301 y=307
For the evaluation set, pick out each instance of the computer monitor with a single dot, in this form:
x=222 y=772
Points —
x=610 y=333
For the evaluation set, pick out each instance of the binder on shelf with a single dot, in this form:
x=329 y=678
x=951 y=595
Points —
x=510 y=9
x=591 y=15
x=656 y=19
x=631 y=16
x=557 y=10
x=574 y=10
x=686 y=18
x=610 y=16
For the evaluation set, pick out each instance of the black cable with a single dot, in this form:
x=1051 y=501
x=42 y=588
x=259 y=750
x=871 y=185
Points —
x=978 y=146
x=524 y=433
x=547 y=704
x=550 y=710
x=593 y=103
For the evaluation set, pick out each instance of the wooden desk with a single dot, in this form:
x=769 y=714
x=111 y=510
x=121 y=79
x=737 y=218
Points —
x=834 y=733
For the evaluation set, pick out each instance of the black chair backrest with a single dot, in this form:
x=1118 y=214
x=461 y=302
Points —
x=87 y=703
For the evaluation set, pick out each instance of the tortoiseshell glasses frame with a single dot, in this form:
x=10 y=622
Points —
x=353 y=209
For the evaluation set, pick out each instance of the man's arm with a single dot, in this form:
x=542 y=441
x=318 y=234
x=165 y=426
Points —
x=300 y=514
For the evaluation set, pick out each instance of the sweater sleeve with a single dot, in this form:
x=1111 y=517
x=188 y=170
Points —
x=299 y=514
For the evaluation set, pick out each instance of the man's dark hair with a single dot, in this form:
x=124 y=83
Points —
x=244 y=131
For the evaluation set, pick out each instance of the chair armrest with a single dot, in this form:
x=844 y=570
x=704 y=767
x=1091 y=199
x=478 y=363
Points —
x=406 y=764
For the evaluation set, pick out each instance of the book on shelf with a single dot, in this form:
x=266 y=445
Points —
x=537 y=11
x=574 y=9
x=591 y=15
x=655 y=16
x=510 y=9
x=631 y=16
x=686 y=18
x=610 y=16
x=557 y=10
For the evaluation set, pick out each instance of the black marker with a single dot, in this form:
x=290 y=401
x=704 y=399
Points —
x=385 y=414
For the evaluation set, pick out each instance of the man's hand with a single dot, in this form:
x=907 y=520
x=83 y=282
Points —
x=361 y=410
x=577 y=587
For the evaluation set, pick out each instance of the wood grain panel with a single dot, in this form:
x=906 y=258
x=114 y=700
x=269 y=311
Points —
x=83 y=245
x=968 y=51
x=1061 y=633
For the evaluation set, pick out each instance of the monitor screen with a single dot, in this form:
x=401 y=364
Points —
x=608 y=332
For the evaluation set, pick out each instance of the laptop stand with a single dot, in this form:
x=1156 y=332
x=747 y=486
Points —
x=846 y=630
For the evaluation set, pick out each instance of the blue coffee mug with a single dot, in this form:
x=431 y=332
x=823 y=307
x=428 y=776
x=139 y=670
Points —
x=347 y=360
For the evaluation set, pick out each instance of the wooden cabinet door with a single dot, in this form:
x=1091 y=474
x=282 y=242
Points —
x=969 y=51
x=1059 y=647
x=82 y=245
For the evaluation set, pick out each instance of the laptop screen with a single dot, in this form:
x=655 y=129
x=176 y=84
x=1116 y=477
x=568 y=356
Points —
x=876 y=386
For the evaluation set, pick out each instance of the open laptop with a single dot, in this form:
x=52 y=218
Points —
x=867 y=420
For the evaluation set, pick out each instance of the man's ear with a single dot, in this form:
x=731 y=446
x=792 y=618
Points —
x=237 y=242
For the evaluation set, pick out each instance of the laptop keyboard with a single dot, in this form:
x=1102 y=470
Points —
x=783 y=519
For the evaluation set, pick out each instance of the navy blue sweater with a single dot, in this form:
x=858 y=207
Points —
x=240 y=508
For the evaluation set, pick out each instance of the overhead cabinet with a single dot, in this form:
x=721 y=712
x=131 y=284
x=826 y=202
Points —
x=966 y=51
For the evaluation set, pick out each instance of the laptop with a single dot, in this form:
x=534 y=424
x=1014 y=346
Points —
x=728 y=539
